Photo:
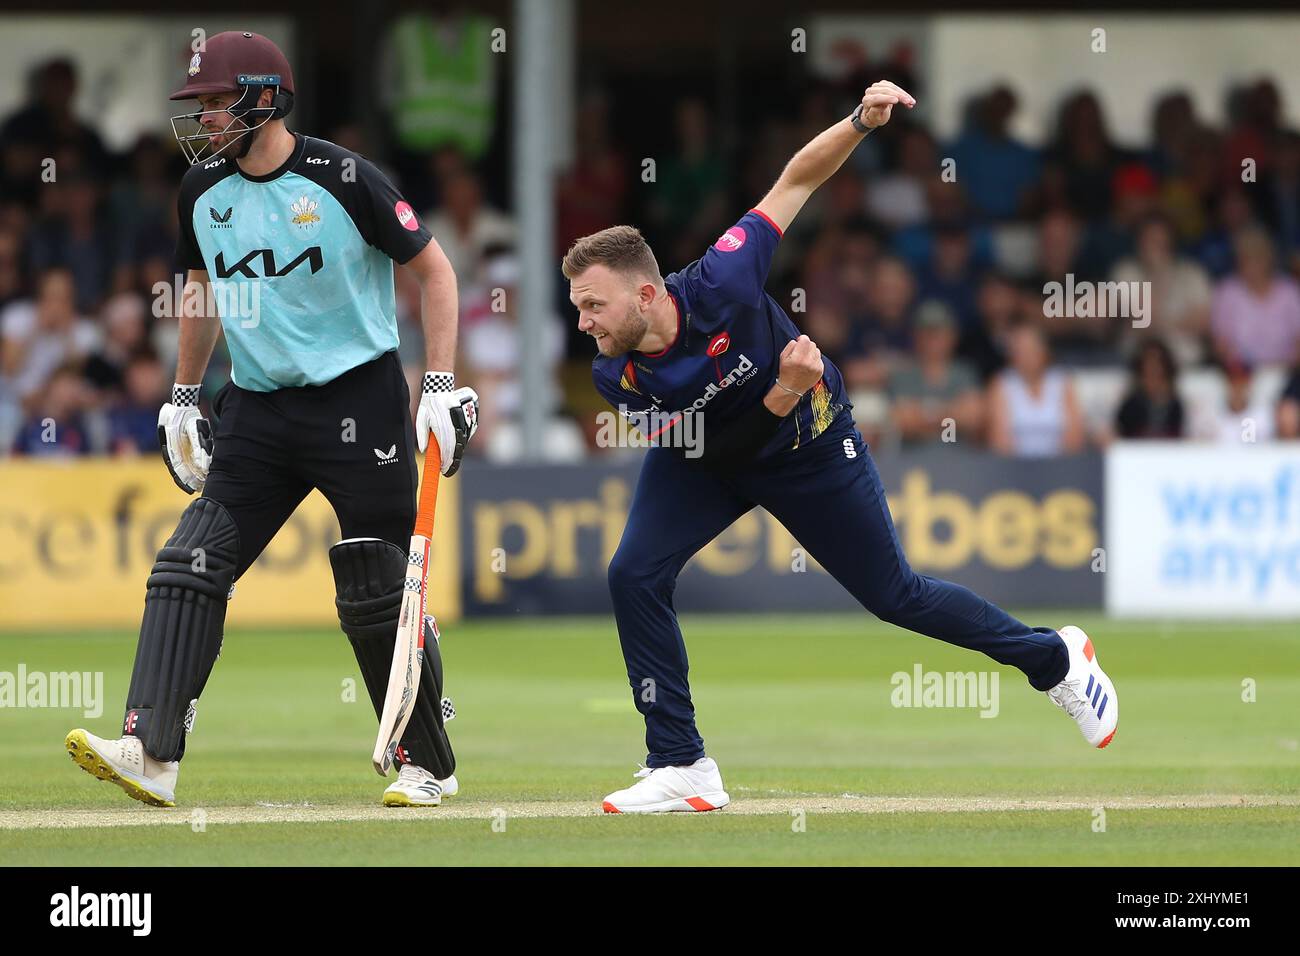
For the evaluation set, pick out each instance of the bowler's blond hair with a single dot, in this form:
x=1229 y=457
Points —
x=620 y=248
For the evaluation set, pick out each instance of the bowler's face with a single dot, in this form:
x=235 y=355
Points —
x=608 y=309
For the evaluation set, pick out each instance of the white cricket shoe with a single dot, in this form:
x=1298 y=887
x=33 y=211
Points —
x=125 y=763
x=662 y=789
x=450 y=786
x=1087 y=694
x=416 y=787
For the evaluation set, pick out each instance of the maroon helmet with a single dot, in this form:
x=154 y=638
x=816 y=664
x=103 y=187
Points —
x=233 y=62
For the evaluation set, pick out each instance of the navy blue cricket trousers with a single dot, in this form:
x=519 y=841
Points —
x=834 y=505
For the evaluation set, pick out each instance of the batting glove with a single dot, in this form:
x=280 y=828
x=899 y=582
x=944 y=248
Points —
x=185 y=439
x=450 y=413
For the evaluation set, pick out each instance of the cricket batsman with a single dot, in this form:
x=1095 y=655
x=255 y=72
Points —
x=297 y=238
x=776 y=432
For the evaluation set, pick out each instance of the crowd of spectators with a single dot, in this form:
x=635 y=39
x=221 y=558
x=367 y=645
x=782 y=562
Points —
x=920 y=269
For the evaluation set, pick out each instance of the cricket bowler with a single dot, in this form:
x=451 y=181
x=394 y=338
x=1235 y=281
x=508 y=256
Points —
x=297 y=238
x=773 y=416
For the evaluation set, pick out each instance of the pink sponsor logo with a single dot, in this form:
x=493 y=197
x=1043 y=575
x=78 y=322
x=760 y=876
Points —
x=731 y=240
x=406 y=216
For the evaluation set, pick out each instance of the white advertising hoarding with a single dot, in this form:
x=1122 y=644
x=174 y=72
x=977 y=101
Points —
x=1203 y=530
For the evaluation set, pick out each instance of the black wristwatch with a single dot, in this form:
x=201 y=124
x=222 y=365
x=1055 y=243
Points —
x=856 y=120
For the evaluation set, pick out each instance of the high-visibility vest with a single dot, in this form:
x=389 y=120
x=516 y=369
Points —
x=445 y=92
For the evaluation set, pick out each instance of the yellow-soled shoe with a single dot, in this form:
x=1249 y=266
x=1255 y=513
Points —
x=125 y=763
x=415 y=787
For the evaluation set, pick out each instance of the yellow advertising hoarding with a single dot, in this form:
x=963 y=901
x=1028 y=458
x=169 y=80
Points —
x=78 y=539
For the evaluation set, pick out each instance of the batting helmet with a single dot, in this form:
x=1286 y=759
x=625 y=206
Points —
x=233 y=62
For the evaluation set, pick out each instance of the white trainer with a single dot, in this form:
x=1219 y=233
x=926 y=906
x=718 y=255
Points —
x=1087 y=694
x=697 y=787
x=125 y=763
x=416 y=787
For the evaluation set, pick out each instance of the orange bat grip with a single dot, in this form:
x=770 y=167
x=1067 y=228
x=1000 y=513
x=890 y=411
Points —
x=429 y=490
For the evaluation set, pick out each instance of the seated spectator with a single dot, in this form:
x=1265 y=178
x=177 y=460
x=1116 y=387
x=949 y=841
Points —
x=1237 y=420
x=1175 y=129
x=884 y=323
x=999 y=305
x=1152 y=408
x=899 y=198
x=494 y=354
x=837 y=268
x=1288 y=408
x=46 y=125
x=999 y=173
x=934 y=386
x=1083 y=156
x=465 y=225
x=71 y=234
x=133 y=422
x=1232 y=213
x=1256 y=313
x=1187 y=194
x=1278 y=198
x=123 y=320
x=1255 y=114
x=1180 y=293
x=692 y=182
x=1135 y=195
x=36 y=337
x=1064 y=252
x=142 y=214
x=949 y=211
x=57 y=426
x=952 y=274
x=882 y=332
x=1033 y=412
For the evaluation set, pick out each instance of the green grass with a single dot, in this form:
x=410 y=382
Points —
x=790 y=706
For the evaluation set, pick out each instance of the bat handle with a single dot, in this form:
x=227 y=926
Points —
x=429 y=490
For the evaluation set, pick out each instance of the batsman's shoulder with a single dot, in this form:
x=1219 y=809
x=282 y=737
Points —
x=201 y=177
x=328 y=158
x=314 y=146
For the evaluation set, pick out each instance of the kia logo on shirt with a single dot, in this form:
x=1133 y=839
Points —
x=719 y=344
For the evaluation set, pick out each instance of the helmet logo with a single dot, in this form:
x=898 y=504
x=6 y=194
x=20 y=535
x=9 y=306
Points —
x=195 y=60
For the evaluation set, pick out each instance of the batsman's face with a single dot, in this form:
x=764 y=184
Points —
x=216 y=122
x=611 y=308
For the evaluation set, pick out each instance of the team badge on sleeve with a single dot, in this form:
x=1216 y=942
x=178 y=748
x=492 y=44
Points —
x=406 y=216
x=627 y=381
x=731 y=240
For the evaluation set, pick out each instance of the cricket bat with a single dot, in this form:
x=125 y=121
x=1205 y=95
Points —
x=408 y=649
